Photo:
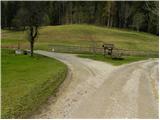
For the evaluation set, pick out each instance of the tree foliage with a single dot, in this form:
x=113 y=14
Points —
x=138 y=15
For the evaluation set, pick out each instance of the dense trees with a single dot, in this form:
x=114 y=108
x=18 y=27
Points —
x=137 y=15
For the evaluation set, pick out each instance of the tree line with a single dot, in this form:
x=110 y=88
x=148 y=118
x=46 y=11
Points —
x=136 y=15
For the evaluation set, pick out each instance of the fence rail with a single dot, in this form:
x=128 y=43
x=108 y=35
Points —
x=82 y=49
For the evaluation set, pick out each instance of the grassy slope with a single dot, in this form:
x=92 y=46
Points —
x=81 y=35
x=27 y=82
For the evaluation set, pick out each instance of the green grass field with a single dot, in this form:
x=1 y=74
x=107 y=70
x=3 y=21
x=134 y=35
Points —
x=82 y=35
x=108 y=59
x=27 y=82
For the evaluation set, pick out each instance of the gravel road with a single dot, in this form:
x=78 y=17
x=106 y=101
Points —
x=96 y=89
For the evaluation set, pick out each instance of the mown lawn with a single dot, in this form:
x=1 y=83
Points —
x=27 y=82
x=108 y=59
x=83 y=35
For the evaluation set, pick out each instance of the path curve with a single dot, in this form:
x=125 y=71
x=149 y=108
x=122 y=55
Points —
x=95 y=89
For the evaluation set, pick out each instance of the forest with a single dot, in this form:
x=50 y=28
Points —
x=134 y=15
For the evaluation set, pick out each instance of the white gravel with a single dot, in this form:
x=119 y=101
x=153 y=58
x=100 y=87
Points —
x=95 y=89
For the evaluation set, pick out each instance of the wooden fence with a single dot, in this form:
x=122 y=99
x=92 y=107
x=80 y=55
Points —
x=82 y=49
x=100 y=50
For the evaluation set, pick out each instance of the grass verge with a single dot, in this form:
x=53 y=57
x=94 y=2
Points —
x=108 y=59
x=27 y=82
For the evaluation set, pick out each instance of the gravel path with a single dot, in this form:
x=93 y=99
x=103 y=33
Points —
x=95 y=89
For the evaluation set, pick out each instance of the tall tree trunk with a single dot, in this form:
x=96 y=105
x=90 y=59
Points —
x=111 y=21
x=33 y=35
x=108 y=23
x=32 y=45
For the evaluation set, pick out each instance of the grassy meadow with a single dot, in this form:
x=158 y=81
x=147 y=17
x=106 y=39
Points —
x=27 y=82
x=116 y=62
x=83 y=35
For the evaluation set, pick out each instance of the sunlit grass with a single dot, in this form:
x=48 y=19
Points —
x=108 y=59
x=27 y=82
x=82 y=35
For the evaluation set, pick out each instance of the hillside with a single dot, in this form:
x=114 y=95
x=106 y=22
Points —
x=83 y=35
